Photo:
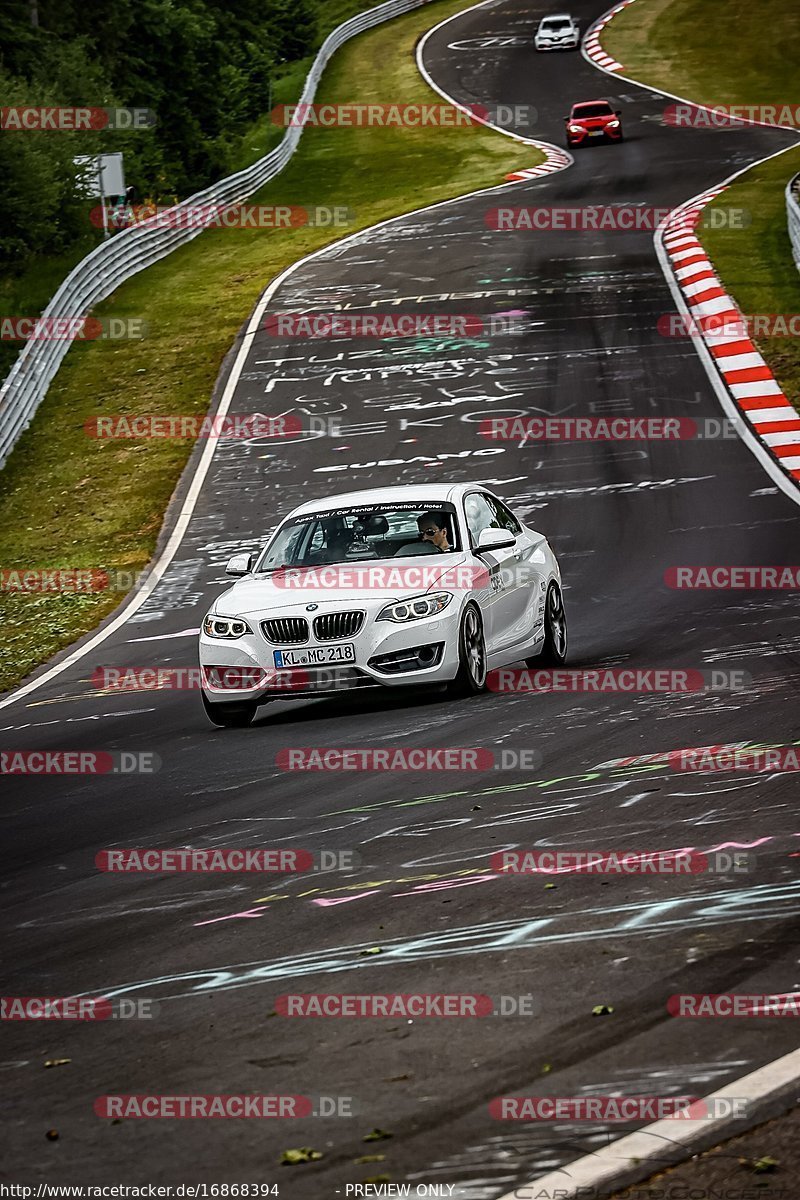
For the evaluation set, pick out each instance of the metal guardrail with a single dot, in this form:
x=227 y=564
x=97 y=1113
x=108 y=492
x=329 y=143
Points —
x=793 y=216
x=133 y=249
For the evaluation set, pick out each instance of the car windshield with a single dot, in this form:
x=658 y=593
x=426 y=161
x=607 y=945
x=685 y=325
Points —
x=592 y=110
x=359 y=534
x=556 y=23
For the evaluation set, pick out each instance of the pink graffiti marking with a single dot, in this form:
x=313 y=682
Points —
x=250 y=912
x=443 y=885
x=323 y=903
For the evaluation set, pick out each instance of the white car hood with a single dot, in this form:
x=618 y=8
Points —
x=262 y=595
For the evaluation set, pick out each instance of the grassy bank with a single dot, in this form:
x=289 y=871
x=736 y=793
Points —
x=747 y=57
x=28 y=291
x=67 y=500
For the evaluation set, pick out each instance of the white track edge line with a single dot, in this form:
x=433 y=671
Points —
x=604 y=20
x=634 y=1157
x=547 y=148
x=731 y=409
x=156 y=572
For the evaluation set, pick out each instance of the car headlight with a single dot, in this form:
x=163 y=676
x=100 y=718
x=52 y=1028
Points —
x=215 y=626
x=415 y=607
x=612 y=124
x=575 y=128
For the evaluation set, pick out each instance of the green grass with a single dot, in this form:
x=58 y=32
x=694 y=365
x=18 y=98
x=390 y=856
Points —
x=756 y=264
x=718 y=57
x=287 y=84
x=28 y=291
x=67 y=500
x=734 y=54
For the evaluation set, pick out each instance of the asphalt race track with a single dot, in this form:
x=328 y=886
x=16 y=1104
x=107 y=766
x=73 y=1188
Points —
x=216 y=951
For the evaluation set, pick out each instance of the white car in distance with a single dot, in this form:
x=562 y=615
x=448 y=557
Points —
x=423 y=584
x=558 y=32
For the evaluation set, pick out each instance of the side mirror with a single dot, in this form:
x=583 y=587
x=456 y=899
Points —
x=240 y=564
x=496 y=539
x=618 y=113
x=567 y=118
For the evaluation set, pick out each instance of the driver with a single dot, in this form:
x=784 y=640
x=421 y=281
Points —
x=433 y=525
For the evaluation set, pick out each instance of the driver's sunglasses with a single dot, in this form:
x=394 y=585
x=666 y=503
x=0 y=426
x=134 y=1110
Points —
x=429 y=532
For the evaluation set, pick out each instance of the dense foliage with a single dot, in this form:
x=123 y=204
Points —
x=203 y=67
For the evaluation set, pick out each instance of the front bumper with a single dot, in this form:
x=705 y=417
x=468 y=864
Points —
x=569 y=43
x=386 y=655
x=608 y=135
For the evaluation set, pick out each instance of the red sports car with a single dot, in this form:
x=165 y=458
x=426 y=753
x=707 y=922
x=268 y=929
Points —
x=592 y=120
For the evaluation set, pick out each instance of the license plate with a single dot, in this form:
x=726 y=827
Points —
x=315 y=656
x=595 y=133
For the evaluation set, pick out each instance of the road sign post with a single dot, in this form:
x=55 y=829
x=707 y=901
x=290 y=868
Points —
x=101 y=175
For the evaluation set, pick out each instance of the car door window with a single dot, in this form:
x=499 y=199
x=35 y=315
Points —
x=479 y=515
x=503 y=518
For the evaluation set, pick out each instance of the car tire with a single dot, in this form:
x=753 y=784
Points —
x=554 y=651
x=230 y=716
x=471 y=677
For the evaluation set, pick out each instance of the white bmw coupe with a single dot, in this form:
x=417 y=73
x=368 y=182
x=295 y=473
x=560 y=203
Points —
x=382 y=588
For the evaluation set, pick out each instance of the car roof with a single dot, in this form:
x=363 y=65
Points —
x=558 y=17
x=428 y=493
x=602 y=100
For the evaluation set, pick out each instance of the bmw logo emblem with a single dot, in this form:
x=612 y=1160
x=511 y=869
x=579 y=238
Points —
x=312 y=607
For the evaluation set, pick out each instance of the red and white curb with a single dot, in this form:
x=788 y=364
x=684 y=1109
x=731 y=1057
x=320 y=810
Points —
x=555 y=160
x=591 y=42
x=741 y=378
x=749 y=381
